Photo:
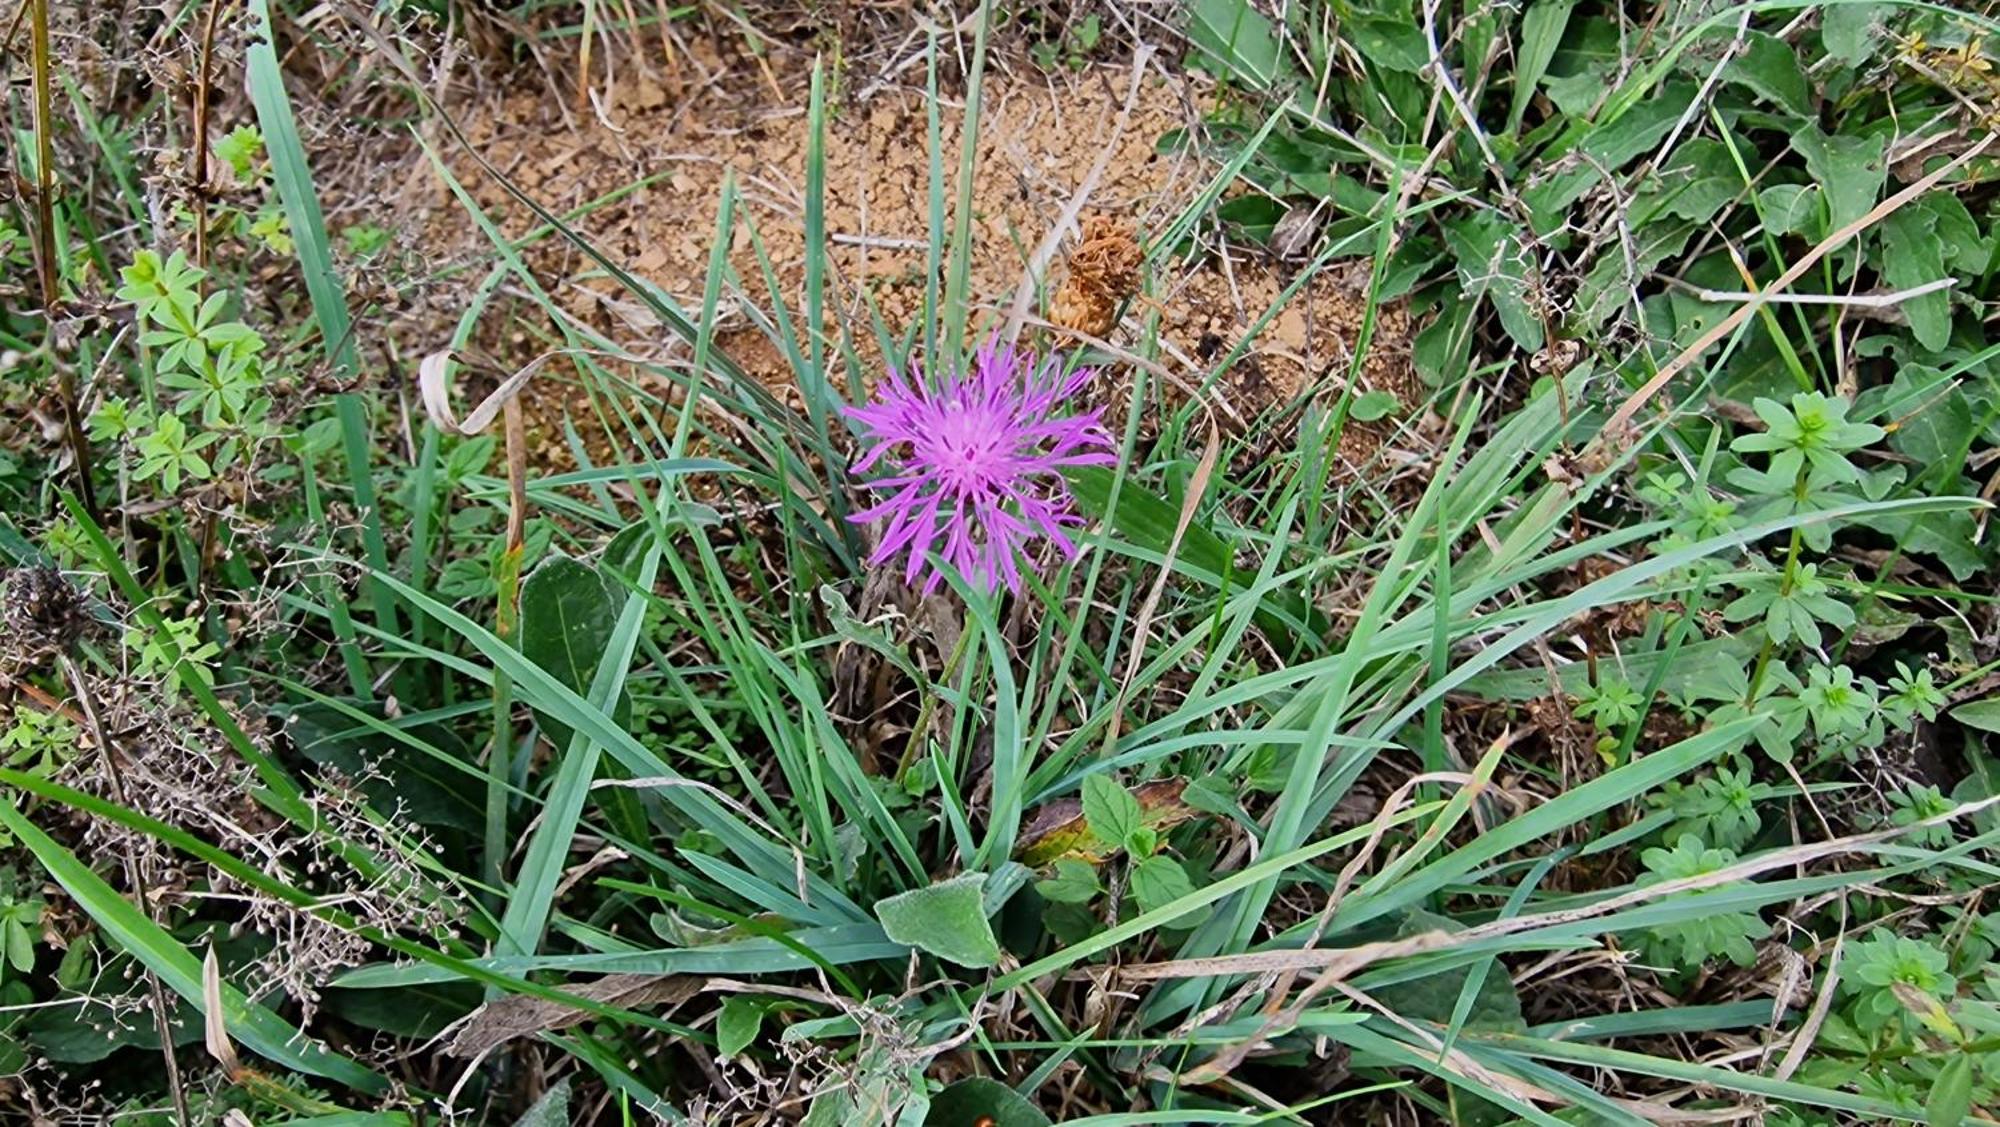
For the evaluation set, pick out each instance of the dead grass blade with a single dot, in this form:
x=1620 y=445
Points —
x=505 y=1019
x=214 y=1026
x=1196 y=489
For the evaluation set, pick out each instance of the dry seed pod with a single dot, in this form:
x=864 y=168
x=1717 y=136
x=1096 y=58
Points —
x=1103 y=274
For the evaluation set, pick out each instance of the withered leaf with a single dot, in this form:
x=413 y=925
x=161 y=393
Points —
x=504 y=1019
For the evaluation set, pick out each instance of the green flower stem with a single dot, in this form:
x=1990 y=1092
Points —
x=1785 y=583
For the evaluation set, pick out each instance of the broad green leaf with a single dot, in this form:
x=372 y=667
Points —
x=568 y=592
x=1110 y=810
x=1394 y=45
x=1541 y=33
x=1075 y=882
x=1850 y=169
x=20 y=946
x=1950 y=537
x=1639 y=130
x=1158 y=882
x=1792 y=209
x=947 y=919
x=981 y=1100
x=1912 y=255
x=418 y=1012
x=1147 y=522
x=1433 y=996
x=568 y=612
x=737 y=1025
x=1493 y=260
x=1372 y=405
x=1966 y=247
x=1698 y=181
x=1981 y=714
x=1849 y=31
x=422 y=784
x=87 y=1034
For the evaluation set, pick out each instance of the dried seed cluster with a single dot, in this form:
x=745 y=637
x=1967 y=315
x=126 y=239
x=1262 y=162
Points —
x=1103 y=275
x=41 y=615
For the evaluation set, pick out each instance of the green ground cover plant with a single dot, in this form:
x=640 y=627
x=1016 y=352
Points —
x=1622 y=758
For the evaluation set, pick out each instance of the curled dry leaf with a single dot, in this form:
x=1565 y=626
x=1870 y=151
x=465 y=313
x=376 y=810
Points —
x=215 y=1030
x=434 y=384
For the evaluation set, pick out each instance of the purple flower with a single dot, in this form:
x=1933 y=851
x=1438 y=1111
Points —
x=977 y=464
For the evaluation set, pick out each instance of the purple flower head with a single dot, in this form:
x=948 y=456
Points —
x=976 y=464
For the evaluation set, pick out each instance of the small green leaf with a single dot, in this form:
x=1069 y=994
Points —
x=1075 y=882
x=1110 y=810
x=1211 y=795
x=736 y=1027
x=1142 y=842
x=948 y=920
x=980 y=1099
x=1372 y=405
x=1951 y=1094
x=1158 y=882
x=20 y=946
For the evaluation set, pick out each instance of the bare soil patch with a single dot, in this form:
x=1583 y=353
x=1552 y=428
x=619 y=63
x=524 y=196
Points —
x=1041 y=136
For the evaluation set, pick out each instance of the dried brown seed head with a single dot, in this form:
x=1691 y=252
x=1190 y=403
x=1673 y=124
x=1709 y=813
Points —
x=1103 y=274
x=41 y=615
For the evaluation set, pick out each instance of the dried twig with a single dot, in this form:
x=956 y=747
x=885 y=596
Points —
x=135 y=877
x=45 y=245
x=1852 y=301
x=200 y=185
